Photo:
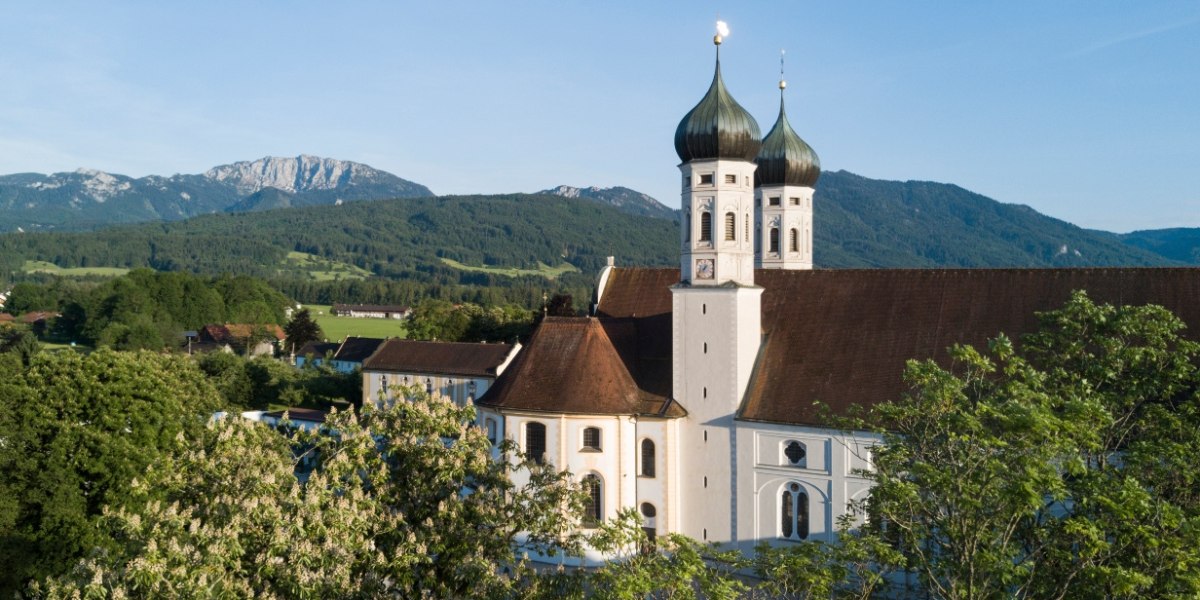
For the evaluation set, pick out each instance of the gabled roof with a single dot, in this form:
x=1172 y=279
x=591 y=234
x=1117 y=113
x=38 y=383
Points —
x=571 y=366
x=238 y=332
x=842 y=337
x=357 y=349
x=317 y=350
x=447 y=358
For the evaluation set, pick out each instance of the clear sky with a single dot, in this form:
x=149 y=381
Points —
x=1088 y=111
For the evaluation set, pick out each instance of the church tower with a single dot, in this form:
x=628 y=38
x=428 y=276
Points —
x=716 y=308
x=788 y=169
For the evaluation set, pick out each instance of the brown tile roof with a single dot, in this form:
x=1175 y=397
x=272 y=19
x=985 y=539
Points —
x=571 y=366
x=447 y=358
x=358 y=349
x=237 y=332
x=35 y=316
x=6 y=318
x=842 y=337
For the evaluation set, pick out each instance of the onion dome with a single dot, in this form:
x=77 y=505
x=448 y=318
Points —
x=785 y=159
x=718 y=127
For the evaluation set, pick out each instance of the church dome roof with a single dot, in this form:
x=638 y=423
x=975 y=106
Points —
x=717 y=127
x=785 y=159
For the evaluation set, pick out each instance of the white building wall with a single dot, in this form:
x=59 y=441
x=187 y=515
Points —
x=716 y=335
x=828 y=476
x=456 y=387
x=794 y=211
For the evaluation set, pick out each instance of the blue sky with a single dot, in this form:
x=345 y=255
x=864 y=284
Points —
x=1086 y=111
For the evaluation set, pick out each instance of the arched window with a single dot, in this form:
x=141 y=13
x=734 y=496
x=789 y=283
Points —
x=490 y=425
x=687 y=228
x=649 y=524
x=706 y=226
x=795 y=241
x=535 y=442
x=746 y=222
x=429 y=386
x=450 y=390
x=793 y=512
x=647 y=458
x=730 y=227
x=774 y=240
x=591 y=439
x=795 y=453
x=593 y=511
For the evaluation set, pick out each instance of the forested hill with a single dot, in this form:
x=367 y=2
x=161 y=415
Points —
x=400 y=238
x=860 y=222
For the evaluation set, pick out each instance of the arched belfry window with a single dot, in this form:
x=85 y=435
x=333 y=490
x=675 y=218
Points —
x=774 y=240
x=687 y=228
x=535 y=442
x=593 y=511
x=795 y=453
x=730 y=227
x=648 y=458
x=794 y=241
x=706 y=226
x=793 y=513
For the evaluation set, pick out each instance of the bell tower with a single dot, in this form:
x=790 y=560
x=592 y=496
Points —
x=716 y=307
x=784 y=182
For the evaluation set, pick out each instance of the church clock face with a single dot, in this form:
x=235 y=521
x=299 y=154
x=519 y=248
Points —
x=704 y=268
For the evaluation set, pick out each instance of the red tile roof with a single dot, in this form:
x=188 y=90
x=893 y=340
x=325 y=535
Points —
x=571 y=366
x=238 y=332
x=447 y=358
x=842 y=337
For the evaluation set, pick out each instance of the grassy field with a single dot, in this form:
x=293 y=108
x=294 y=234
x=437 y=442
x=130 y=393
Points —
x=321 y=269
x=337 y=328
x=543 y=269
x=41 y=266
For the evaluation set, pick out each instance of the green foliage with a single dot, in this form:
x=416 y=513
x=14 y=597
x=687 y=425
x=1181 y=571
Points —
x=19 y=342
x=679 y=567
x=405 y=501
x=466 y=322
x=302 y=329
x=1063 y=468
x=76 y=431
x=149 y=310
x=262 y=383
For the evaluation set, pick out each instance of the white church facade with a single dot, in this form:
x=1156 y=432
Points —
x=704 y=396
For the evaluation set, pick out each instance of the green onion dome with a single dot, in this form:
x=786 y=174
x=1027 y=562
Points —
x=718 y=127
x=785 y=159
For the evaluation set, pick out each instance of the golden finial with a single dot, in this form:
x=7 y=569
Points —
x=722 y=31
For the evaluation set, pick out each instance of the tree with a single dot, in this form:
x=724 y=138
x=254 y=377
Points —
x=1063 y=468
x=19 y=341
x=76 y=430
x=301 y=330
x=404 y=500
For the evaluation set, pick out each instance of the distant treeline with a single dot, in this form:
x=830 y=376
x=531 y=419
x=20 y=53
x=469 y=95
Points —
x=148 y=309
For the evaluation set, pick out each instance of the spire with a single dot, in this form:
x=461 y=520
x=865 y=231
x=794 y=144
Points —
x=717 y=127
x=785 y=158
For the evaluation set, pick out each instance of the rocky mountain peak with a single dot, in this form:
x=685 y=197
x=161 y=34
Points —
x=297 y=174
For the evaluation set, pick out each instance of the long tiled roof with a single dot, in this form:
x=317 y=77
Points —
x=447 y=358
x=357 y=349
x=842 y=337
x=571 y=366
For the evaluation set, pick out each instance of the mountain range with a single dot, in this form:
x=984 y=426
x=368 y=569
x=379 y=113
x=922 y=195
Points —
x=86 y=198
x=859 y=222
